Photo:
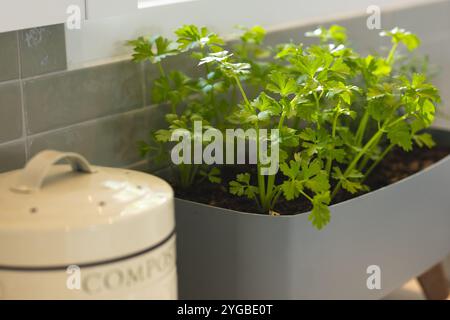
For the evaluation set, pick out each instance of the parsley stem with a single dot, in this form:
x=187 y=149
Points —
x=390 y=58
x=333 y=135
x=352 y=165
x=373 y=166
x=244 y=95
x=261 y=178
x=275 y=198
x=386 y=125
x=271 y=178
x=318 y=106
x=367 y=156
x=161 y=70
x=193 y=173
x=400 y=119
x=362 y=128
x=306 y=195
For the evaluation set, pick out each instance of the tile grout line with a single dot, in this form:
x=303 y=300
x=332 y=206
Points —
x=68 y=70
x=8 y=82
x=11 y=142
x=90 y=121
x=136 y=164
x=145 y=163
x=22 y=99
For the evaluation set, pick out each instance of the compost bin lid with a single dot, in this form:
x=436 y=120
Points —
x=55 y=214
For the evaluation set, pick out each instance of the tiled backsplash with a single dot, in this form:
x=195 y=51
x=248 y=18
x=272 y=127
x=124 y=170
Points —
x=9 y=57
x=102 y=111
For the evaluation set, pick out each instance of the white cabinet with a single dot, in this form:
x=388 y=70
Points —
x=22 y=14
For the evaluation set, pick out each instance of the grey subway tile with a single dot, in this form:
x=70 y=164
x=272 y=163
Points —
x=9 y=59
x=294 y=34
x=150 y=75
x=439 y=70
x=12 y=156
x=429 y=21
x=58 y=100
x=415 y=19
x=366 y=40
x=360 y=37
x=139 y=166
x=111 y=141
x=42 y=50
x=10 y=111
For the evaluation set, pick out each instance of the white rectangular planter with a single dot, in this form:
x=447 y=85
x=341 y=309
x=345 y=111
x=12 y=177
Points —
x=403 y=228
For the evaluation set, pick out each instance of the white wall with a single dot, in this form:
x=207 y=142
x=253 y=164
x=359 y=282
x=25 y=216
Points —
x=21 y=14
x=102 y=39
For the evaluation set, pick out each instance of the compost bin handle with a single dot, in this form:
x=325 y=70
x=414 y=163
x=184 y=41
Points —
x=33 y=175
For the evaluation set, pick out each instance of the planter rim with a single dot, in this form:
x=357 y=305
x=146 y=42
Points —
x=267 y=216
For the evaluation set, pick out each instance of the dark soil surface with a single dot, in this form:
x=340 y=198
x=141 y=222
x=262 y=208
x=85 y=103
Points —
x=396 y=166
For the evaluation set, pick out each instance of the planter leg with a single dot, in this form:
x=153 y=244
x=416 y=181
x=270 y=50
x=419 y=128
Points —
x=434 y=283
